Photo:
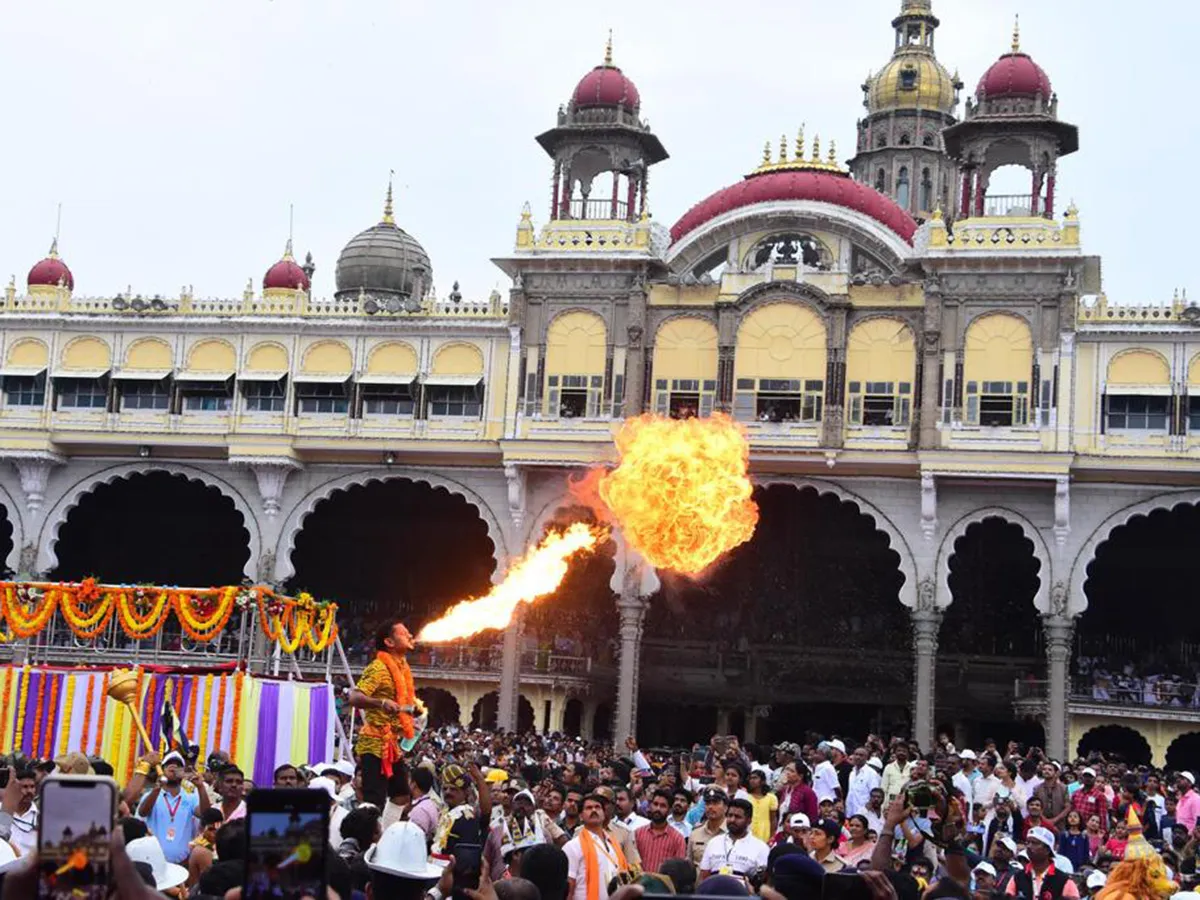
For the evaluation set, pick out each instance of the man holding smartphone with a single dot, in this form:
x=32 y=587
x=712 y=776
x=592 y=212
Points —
x=170 y=812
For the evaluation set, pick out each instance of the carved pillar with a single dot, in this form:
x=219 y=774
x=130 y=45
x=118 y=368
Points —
x=1059 y=630
x=931 y=384
x=926 y=620
x=272 y=475
x=725 y=356
x=34 y=472
x=1050 y=195
x=635 y=356
x=517 y=480
x=964 y=209
x=635 y=581
x=928 y=505
x=510 y=676
x=1062 y=509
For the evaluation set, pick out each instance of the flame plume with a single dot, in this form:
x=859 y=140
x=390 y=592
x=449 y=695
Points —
x=681 y=491
x=535 y=575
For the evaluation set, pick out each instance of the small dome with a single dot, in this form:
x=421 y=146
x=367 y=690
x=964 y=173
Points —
x=385 y=259
x=286 y=274
x=606 y=85
x=913 y=80
x=51 y=271
x=1013 y=75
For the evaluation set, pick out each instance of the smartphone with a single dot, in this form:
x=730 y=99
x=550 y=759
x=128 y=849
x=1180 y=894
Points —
x=468 y=865
x=287 y=839
x=76 y=816
x=839 y=886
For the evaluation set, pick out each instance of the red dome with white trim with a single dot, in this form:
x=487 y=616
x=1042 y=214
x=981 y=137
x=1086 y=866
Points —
x=606 y=85
x=1013 y=75
x=820 y=186
x=286 y=274
x=51 y=271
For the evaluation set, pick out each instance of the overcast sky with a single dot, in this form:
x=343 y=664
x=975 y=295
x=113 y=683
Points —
x=176 y=134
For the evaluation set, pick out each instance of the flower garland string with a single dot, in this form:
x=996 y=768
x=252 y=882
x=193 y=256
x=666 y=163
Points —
x=55 y=683
x=88 y=696
x=238 y=680
x=198 y=625
x=22 y=706
x=22 y=621
x=87 y=610
x=34 y=750
x=141 y=627
x=5 y=745
x=103 y=712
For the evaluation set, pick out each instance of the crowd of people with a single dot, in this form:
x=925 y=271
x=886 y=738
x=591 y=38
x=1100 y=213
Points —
x=1152 y=683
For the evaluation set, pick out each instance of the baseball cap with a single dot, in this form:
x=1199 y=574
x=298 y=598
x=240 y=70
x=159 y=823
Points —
x=986 y=867
x=798 y=820
x=1005 y=841
x=966 y=754
x=875 y=763
x=1189 y=776
x=1097 y=880
x=1088 y=770
x=837 y=745
x=1041 y=835
x=830 y=826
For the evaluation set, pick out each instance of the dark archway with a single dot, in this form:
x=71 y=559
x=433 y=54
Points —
x=442 y=706
x=991 y=632
x=6 y=541
x=573 y=717
x=525 y=716
x=1116 y=742
x=484 y=714
x=1140 y=575
x=154 y=528
x=580 y=618
x=809 y=607
x=393 y=548
x=1184 y=753
x=602 y=723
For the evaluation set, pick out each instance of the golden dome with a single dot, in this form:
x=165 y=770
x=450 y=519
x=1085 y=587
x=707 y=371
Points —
x=912 y=80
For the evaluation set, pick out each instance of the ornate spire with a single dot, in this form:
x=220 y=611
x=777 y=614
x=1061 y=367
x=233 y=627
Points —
x=783 y=148
x=800 y=142
x=815 y=161
x=608 y=50
x=832 y=160
x=766 y=160
x=389 y=215
x=53 y=254
x=1016 y=44
x=287 y=250
x=816 y=149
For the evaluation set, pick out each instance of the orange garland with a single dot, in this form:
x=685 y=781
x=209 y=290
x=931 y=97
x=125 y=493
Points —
x=55 y=684
x=103 y=712
x=22 y=706
x=139 y=628
x=237 y=714
x=5 y=746
x=220 y=711
x=22 y=622
x=37 y=715
x=87 y=625
x=193 y=702
x=197 y=627
x=88 y=696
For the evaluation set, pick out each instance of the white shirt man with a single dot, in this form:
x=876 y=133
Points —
x=986 y=785
x=863 y=780
x=825 y=780
x=963 y=783
x=606 y=859
x=738 y=855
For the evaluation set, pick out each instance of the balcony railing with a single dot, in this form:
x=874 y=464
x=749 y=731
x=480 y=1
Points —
x=609 y=210
x=1008 y=205
x=1162 y=694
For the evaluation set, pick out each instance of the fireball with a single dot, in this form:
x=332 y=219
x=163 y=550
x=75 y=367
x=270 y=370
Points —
x=535 y=575
x=681 y=492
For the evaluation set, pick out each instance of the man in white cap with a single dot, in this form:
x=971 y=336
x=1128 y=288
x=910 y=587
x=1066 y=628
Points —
x=825 y=776
x=147 y=850
x=1188 y=809
x=342 y=773
x=1041 y=878
x=171 y=813
x=961 y=782
x=1096 y=881
x=399 y=865
x=863 y=780
x=983 y=878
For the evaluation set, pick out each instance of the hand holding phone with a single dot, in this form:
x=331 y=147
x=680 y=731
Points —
x=287 y=838
x=77 y=814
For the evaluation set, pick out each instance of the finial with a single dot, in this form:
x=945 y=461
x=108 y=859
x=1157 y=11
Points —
x=287 y=250
x=58 y=223
x=833 y=153
x=766 y=153
x=1017 y=34
x=389 y=216
x=608 y=50
x=291 y=222
x=526 y=212
x=800 y=142
x=53 y=254
x=816 y=149
x=783 y=148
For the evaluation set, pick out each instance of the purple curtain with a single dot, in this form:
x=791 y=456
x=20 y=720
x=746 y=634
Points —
x=268 y=724
x=30 y=703
x=318 y=723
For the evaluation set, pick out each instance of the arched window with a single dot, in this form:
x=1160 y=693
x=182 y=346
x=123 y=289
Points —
x=881 y=140
x=789 y=249
x=881 y=367
x=685 y=368
x=929 y=140
x=926 y=190
x=997 y=368
x=1138 y=392
x=902 y=193
x=905 y=139
x=576 y=355
x=779 y=366
x=881 y=181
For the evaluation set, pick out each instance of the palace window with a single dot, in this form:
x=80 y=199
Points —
x=322 y=398
x=145 y=395
x=995 y=404
x=1138 y=412
x=455 y=401
x=82 y=393
x=684 y=398
x=881 y=181
x=206 y=396
x=908 y=82
x=790 y=249
x=574 y=396
x=926 y=190
x=779 y=400
x=388 y=400
x=1193 y=420
x=905 y=139
x=880 y=404
x=25 y=390
x=902 y=188
x=264 y=396
x=929 y=140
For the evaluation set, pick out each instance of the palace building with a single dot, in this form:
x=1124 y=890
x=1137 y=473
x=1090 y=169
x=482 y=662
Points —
x=978 y=474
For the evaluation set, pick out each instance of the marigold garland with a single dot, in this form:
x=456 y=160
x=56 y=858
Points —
x=5 y=745
x=193 y=702
x=198 y=626
x=37 y=716
x=25 y=623
x=103 y=713
x=23 y=696
x=220 y=711
x=55 y=683
x=204 y=712
x=328 y=634
x=84 y=622
x=141 y=627
x=68 y=706
x=134 y=739
x=238 y=680
x=88 y=696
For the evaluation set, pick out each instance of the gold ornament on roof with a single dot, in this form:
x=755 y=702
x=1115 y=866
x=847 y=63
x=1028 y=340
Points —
x=1016 y=45
x=389 y=214
x=798 y=161
x=608 y=50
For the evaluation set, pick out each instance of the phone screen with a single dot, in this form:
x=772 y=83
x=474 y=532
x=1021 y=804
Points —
x=468 y=864
x=75 y=825
x=287 y=833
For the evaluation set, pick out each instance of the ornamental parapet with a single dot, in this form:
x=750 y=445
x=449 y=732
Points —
x=1099 y=311
x=1017 y=235
x=592 y=235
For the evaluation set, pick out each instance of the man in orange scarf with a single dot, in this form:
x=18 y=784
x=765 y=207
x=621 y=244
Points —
x=593 y=858
x=385 y=691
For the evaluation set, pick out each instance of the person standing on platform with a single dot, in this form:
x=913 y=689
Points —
x=170 y=812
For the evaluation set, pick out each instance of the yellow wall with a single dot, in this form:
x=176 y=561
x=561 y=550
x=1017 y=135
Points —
x=267 y=357
x=328 y=357
x=212 y=356
x=576 y=344
x=86 y=353
x=458 y=359
x=781 y=340
x=1139 y=367
x=149 y=353
x=392 y=358
x=686 y=348
x=28 y=353
x=881 y=350
x=998 y=348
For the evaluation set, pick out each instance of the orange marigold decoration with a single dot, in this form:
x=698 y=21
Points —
x=203 y=617
x=103 y=713
x=22 y=706
x=238 y=680
x=87 y=610
x=328 y=628
x=5 y=745
x=37 y=715
x=302 y=622
x=88 y=696
x=23 y=621
x=204 y=713
x=137 y=625
x=193 y=702
x=55 y=684
x=64 y=720
x=220 y=711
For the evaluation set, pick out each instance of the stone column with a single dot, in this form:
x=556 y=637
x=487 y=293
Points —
x=510 y=677
x=926 y=620
x=1059 y=631
x=635 y=580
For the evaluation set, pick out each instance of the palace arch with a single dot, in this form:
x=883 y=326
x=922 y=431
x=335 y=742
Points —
x=684 y=368
x=997 y=371
x=1116 y=741
x=779 y=364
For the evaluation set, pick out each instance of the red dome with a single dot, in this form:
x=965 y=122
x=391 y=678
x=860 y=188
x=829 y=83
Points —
x=606 y=86
x=286 y=274
x=1013 y=75
x=49 y=272
x=826 y=187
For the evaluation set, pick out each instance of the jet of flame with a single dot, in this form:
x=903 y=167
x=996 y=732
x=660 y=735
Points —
x=681 y=491
x=535 y=575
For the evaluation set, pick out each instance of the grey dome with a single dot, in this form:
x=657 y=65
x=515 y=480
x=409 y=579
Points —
x=385 y=260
